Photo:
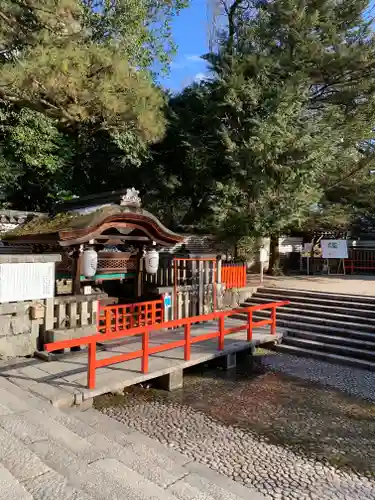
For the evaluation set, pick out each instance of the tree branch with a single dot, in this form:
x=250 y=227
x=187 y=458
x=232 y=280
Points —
x=41 y=106
x=362 y=164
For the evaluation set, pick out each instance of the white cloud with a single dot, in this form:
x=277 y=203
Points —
x=187 y=61
x=177 y=65
x=199 y=77
x=195 y=58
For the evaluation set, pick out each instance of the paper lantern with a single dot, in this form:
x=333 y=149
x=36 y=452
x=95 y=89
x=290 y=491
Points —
x=89 y=263
x=152 y=261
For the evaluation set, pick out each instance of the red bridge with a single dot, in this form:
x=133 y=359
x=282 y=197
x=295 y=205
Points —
x=137 y=331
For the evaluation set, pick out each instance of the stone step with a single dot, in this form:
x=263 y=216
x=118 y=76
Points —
x=69 y=454
x=324 y=330
x=330 y=357
x=289 y=319
x=284 y=292
x=54 y=486
x=318 y=300
x=24 y=397
x=203 y=483
x=341 y=350
x=48 y=454
x=37 y=479
x=10 y=488
x=101 y=478
x=349 y=310
x=288 y=311
x=199 y=481
x=330 y=339
x=33 y=427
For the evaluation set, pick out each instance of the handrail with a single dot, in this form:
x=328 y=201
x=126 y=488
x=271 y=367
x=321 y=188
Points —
x=145 y=330
x=127 y=316
x=233 y=275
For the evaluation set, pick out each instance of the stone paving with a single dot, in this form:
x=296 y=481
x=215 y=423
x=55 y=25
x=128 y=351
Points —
x=350 y=380
x=349 y=285
x=277 y=471
x=50 y=455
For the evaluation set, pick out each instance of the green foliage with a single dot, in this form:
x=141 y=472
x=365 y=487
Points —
x=140 y=29
x=247 y=248
x=81 y=106
x=88 y=62
x=34 y=155
x=288 y=112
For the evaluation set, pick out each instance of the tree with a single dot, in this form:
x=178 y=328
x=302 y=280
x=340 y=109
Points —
x=86 y=68
x=290 y=108
x=34 y=160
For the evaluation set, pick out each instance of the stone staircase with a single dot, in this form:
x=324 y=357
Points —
x=47 y=454
x=335 y=327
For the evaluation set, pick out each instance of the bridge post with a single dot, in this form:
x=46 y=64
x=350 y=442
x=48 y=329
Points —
x=171 y=381
x=228 y=361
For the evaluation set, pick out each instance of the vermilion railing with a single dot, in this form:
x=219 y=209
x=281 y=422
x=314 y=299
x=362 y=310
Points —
x=147 y=350
x=122 y=317
x=360 y=259
x=233 y=275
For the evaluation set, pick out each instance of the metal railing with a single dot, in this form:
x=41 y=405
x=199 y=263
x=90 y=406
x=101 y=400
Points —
x=146 y=351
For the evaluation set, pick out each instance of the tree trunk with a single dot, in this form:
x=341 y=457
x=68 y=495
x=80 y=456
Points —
x=274 y=260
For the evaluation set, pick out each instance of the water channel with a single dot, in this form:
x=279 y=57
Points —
x=265 y=416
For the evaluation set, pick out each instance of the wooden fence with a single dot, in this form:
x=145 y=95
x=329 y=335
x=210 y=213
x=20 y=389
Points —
x=233 y=275
x=360 y=260
x=120 y=317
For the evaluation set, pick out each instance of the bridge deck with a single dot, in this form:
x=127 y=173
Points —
x=63 y=382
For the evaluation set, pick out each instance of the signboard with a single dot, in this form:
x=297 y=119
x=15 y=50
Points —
x=334 y=249
x=263 y=255
x=27 y=281
x=167 y=301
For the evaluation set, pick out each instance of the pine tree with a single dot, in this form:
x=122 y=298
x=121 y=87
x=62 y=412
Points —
x=79 y=72
x=86 y=61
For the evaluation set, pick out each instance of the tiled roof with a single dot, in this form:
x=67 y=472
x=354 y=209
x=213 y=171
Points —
x=16 y=217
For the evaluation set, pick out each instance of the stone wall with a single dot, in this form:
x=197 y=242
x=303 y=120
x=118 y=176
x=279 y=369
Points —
x=21 y=322
x=234 y=297
x=19 y=333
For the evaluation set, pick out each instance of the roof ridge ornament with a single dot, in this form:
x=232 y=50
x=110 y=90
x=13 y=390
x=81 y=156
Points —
x=131 y=198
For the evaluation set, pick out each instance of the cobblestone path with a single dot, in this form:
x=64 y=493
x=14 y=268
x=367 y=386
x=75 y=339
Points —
x=273 y=426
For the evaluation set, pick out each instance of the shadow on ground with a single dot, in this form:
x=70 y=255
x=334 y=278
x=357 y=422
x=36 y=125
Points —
x=317 y=421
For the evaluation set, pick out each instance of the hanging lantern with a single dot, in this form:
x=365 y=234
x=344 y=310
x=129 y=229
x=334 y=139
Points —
x=151 y=261
x=89 y=262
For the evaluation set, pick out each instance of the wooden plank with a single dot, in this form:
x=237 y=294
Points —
x=200 y=288
x=218 y=270
x=179 y=304
x=187 y=311
x=207 y=272
x=184 y=271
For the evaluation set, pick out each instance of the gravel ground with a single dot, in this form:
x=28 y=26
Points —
x=287 y=438
x=350 y=380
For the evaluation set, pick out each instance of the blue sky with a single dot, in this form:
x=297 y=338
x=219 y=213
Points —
x=190 y=32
